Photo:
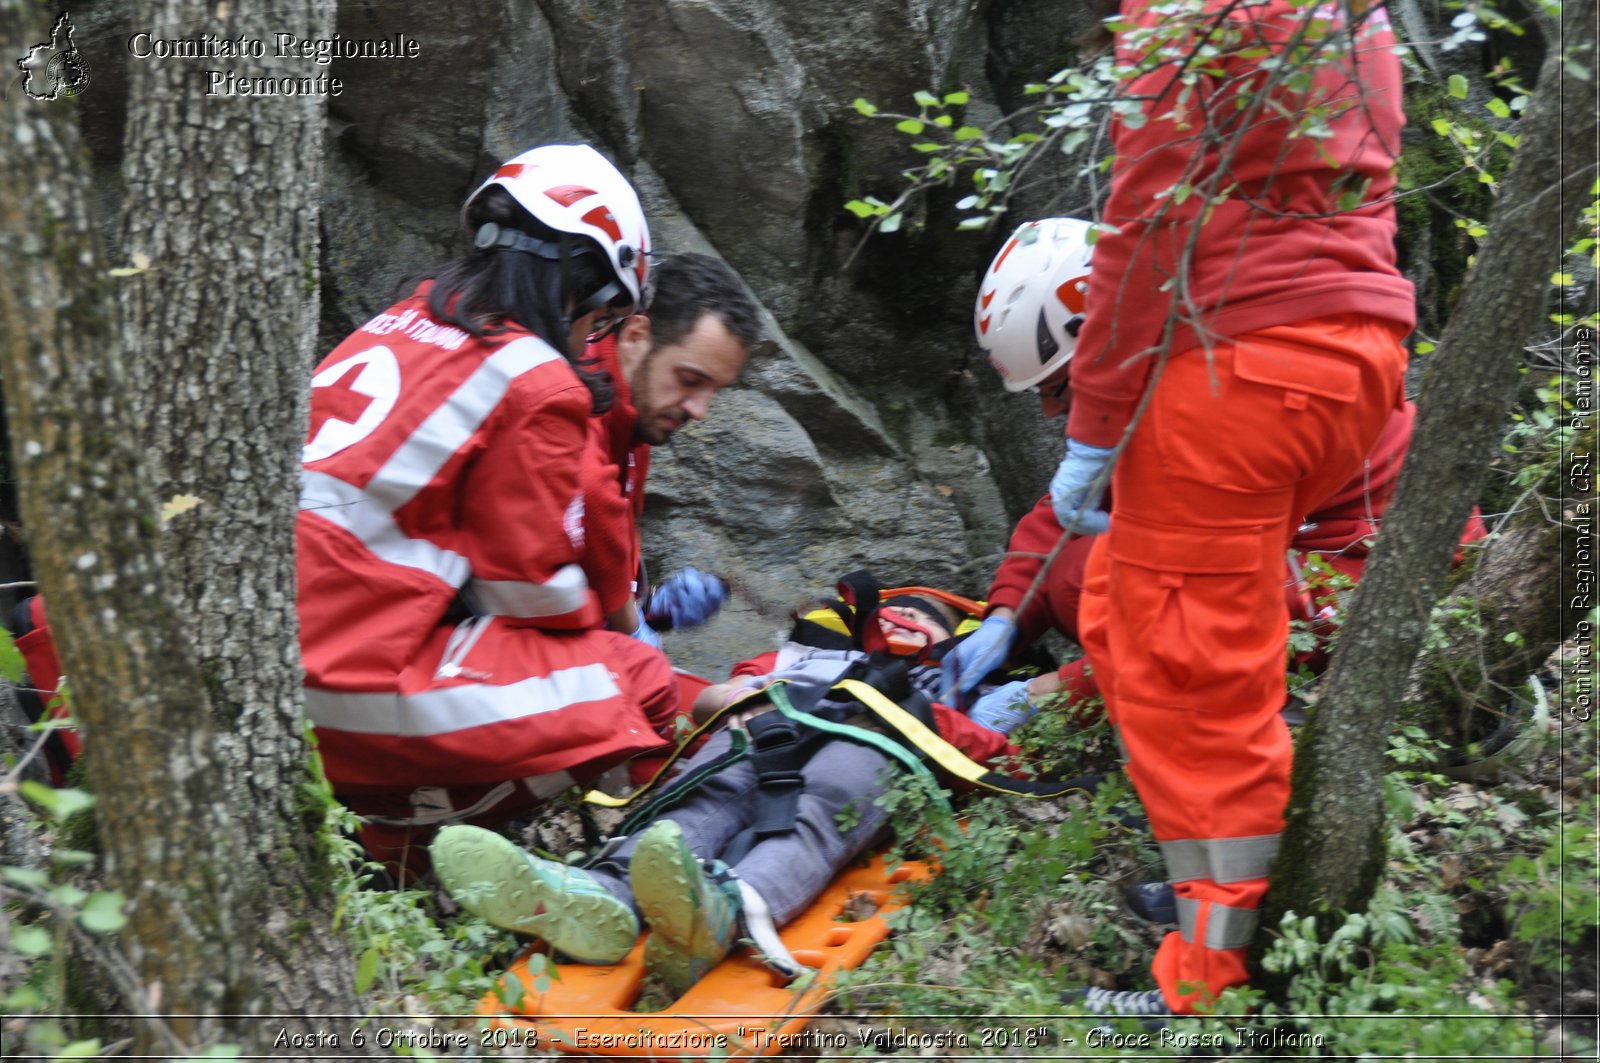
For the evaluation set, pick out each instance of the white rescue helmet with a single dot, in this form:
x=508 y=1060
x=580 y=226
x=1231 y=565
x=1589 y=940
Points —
x=1030 y=303
x=573 y=189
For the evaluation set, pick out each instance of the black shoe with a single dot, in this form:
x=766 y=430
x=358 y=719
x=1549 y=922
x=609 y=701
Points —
x=1154 y=902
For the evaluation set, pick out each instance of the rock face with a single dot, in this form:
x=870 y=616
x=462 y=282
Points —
x=867 y=432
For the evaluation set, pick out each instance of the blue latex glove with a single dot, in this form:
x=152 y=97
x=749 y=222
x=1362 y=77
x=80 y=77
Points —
x=1004 y=708
x=647 y=634
x=685 y=599
x=1069 y=488
x=976 y=656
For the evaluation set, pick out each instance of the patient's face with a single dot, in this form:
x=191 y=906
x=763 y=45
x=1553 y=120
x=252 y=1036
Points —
x=910 y=614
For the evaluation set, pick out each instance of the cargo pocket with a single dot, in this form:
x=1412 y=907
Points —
x=1299 y=373
x=1188 y=597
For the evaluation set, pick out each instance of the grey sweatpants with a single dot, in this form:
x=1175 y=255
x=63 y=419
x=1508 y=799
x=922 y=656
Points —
x=788 y=870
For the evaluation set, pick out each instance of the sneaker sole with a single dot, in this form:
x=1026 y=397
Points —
x=589 y=927
x=665 y=891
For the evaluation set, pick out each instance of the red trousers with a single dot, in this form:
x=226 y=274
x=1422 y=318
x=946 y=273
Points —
x=1183 y=617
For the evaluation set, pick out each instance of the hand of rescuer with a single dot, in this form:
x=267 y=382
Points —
x=685 y=599
x=630 y=619
x=1004 y=708
x=1078 y=473
x=977 y=655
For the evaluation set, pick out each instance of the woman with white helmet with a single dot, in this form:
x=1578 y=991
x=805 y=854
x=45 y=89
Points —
x=452 y=579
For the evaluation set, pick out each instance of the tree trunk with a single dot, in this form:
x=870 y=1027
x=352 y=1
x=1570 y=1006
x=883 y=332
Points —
x=97 y=551
x=1333 y=848
x=222 y=201
x=1504 y=621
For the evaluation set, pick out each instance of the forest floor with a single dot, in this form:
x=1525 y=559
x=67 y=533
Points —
x=1484 y=939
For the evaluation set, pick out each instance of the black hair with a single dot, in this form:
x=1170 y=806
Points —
x=486 y=289
x=689 y=286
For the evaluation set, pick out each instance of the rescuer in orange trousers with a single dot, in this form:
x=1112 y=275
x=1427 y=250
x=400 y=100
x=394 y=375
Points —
x=1261 y=315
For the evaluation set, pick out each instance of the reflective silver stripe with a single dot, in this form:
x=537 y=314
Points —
x=1230 y=928
x=348 y=507
x=1227 y=928
x=436 y=440
x=444 y=711
x=1188 y=917
x=1220 y=859
x=1242 y=859
x=565 y=592
x=1185 y=860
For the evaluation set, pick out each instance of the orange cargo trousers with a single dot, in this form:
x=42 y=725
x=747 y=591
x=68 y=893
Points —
x=1182 y=616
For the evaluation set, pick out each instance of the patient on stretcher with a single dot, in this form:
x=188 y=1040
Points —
x=733 y=850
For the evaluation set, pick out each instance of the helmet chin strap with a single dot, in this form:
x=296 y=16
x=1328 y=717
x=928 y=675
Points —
x=495 y=237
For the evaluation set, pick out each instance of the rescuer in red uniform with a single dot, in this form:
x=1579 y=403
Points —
x=452 y=583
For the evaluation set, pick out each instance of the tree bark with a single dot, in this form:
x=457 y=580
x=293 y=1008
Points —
x=1333 y=847
x=137 y=687
x=223 y=196
x=1470 y=683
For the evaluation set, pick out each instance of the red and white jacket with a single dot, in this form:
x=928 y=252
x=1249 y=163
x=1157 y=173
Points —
x=439 y=468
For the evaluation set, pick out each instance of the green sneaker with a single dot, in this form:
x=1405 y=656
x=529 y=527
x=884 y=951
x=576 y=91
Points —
x=493 y=878
x=693 y=915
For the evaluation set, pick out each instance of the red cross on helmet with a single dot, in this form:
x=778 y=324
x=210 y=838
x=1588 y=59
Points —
x=573 y=189
x=1030 y=303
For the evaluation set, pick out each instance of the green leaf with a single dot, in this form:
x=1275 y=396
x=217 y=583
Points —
x=957 y=99
x=1441 y=127
x=944 y=121
x=864 y=106
x=925 y=98
x=1458 y=86
x=1498 y=108
x=911 y=126
x=861 y=209
x=891 y=223
x=31 y=940
x=66 y=895
x=12 y=666
x=81 y=1050
x=1426 y=347
x=968 y=132
x=61 y=804
x=71 y=857
x=927 y=147
x=26 y=877
x=366 y=970
x=1562 y=279
x=968 y=224
x=102 y=912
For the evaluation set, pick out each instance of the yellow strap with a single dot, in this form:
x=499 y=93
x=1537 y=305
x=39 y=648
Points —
x=948 y=756
x=942 y=753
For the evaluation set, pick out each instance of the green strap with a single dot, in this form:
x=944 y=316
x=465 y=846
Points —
x=680 y=788
x=883 y=743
